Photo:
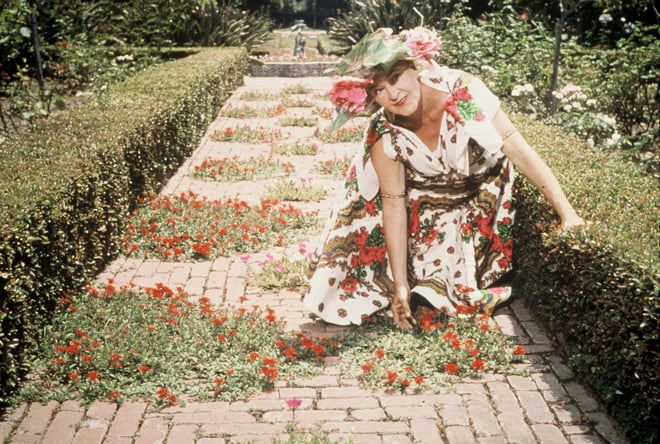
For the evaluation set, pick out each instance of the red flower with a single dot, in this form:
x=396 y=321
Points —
x=367 y=367
x=519 y=350
x=92 y=375
x=379 y=352
x=253 y=356
x=73 y=376
x=391 y=377
x=478 y=364
x=419 y=379
x=451 y=368
x=113 y=395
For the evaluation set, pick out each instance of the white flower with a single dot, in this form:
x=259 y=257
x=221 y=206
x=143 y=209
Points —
x=616 y=136
x=611 y=121
x=577 y=106
x=567 y=108
x=557 y=95
x=590 y=142
x=591 y=102
x=605 y=19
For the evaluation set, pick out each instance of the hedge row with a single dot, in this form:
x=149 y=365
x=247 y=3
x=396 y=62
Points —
x=66 y=187
x=597 y=291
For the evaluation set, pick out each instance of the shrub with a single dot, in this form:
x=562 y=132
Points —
x=597 y=291
x=67 y=186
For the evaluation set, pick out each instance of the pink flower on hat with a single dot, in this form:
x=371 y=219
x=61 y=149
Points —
x=423 y=43
x=349 y=93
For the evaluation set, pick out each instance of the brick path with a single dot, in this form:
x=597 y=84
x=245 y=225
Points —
x=548 y=406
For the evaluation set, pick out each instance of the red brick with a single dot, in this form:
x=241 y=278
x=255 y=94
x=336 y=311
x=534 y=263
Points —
x=197 y=407
x=153 y=430
x=36 y=420
x=243 y=429
x=369 y=414
x=182 y=433
x=483 y=419
x=358 y=427
x=296 y=392
x=515 y=428
x=310 y=418
x=216 y=279
x=503 y=397
x=458 y=435
x=86 y=435
x=344 y=392
x=352 y=438
x=549 y=433
x=425 y=431
x=318 y=381
x=63 y=427
x=127 y=419
x=346 y=403
x=213 y=418
x=454 y=415
x=425 y=411
x=419 y=400
x=10 y=421
x=535 y=408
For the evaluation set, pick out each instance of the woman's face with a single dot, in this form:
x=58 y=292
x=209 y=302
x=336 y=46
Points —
x=398 y=91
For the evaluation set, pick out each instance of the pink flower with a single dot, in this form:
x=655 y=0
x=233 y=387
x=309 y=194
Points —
x=423 y=43
x=294 y=403
x=349 y=93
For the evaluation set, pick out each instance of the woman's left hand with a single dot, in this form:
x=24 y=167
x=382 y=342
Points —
x=572 y=222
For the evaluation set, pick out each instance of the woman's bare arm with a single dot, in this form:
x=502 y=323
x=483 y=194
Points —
x=391 y=178
x=535 y=169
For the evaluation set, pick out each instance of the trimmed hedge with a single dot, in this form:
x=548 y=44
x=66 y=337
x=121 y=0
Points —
x=66 y=187
x=597 y=291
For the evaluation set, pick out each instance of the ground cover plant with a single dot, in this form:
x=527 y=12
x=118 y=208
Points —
x=296 y=101
x=159 y=344
x=247 y=134
x=300 y=190
x=279 y=270
x=189 y=227
x=296 y=148
x=248 y=111
x=233 y=169
x=336 y=167
x=298 y=120
x=344 y=134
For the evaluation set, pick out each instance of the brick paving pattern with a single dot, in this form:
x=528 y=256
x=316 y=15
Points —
x=547 y=406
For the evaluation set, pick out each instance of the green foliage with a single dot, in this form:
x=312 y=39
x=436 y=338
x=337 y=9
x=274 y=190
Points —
x=122 y=344
x=189 y=227
x=364 y=17
x=438 y=352
x=67 y=186
x=597 y=290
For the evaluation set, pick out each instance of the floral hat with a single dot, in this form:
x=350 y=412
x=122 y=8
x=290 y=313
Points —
x=378 y=50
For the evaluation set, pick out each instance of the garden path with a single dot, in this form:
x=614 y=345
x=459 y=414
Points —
x=547 y=406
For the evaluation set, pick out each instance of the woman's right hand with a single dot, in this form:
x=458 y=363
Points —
x=401 y=308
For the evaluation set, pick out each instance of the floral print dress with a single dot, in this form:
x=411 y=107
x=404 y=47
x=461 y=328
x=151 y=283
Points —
x=459 y=203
